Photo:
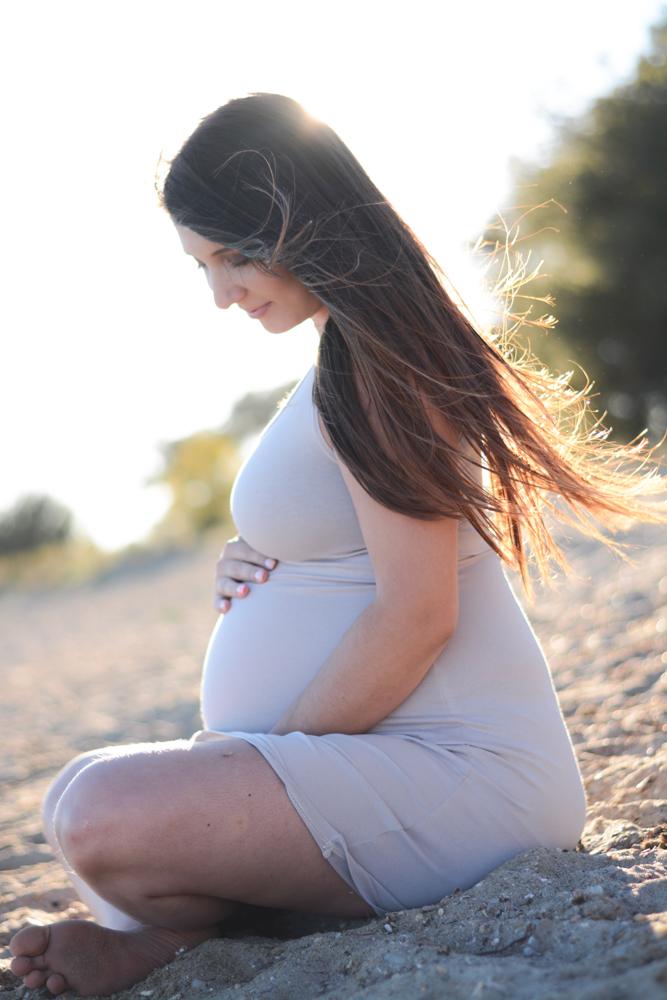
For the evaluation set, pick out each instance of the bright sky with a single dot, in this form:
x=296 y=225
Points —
x=112 y=342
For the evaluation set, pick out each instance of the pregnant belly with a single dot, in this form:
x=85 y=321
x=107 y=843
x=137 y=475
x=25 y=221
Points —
x=269 y=646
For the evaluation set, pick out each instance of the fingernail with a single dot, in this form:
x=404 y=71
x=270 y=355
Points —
x=242 y=589
x=260 y=575
x=269 y=563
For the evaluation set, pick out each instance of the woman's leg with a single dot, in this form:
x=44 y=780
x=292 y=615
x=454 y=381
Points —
x=104 y=912
x=170 y=836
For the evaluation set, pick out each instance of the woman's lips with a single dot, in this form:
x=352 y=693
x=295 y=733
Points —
x=256 y=313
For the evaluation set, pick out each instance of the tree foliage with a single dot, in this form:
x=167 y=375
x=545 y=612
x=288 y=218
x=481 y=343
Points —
x=596 y=216
x=199 y=471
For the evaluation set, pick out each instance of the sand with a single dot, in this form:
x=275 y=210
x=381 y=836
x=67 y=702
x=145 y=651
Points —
x=118 y=661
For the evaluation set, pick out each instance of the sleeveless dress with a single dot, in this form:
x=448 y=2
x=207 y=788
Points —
x=472 y=768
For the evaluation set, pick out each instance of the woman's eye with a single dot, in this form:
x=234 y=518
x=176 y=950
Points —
x=239 y=262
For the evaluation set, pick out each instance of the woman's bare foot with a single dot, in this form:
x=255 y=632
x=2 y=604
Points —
x=81 y=955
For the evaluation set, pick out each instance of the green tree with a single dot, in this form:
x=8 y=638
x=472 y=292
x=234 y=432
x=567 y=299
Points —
x=596 y=217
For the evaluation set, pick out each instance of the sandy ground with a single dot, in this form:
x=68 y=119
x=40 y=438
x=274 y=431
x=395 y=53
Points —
x=118 y=661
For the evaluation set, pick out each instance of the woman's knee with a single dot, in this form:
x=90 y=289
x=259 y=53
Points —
x=60 y=783
x=83 y=812
x=102 y=806
x=71 y=770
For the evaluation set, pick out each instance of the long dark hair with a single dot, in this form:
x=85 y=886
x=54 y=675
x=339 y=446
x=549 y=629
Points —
x=399 y=360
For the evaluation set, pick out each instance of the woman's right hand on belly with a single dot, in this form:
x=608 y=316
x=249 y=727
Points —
x=238 y=563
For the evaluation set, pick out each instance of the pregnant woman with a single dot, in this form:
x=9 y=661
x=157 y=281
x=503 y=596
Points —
x=380 y=725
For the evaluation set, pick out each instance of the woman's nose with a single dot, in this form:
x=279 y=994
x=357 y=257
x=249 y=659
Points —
x=226 y=295
x=225 y=290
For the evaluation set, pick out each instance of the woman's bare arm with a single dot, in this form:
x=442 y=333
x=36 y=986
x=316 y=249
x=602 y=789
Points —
x=380 y=660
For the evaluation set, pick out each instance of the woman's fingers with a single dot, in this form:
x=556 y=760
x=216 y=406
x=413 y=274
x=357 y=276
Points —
x=252 y=555
x=238 y=563
x=227 y=587
x=238 y=584
x=239 y=569
x=238 y=549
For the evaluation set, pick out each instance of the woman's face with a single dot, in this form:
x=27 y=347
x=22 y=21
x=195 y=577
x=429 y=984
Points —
x=234 y=279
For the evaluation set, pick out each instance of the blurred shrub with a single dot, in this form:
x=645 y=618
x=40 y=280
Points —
x=52 y=565
x=252 y=411
x=33 y=521
x=199 y=471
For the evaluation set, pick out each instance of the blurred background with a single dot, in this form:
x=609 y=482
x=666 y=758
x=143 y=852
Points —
x=129 y=401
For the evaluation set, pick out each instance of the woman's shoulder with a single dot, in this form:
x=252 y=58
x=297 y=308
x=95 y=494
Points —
x=443 y=427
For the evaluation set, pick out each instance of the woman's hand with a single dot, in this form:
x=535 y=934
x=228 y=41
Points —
x=238 y=563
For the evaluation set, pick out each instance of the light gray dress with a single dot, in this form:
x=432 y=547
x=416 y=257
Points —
x=474 y=767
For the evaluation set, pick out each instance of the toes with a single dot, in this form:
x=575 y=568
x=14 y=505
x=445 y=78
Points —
x=22 y=965
x=56 y=983
x=35 y=979
x=32 y=941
